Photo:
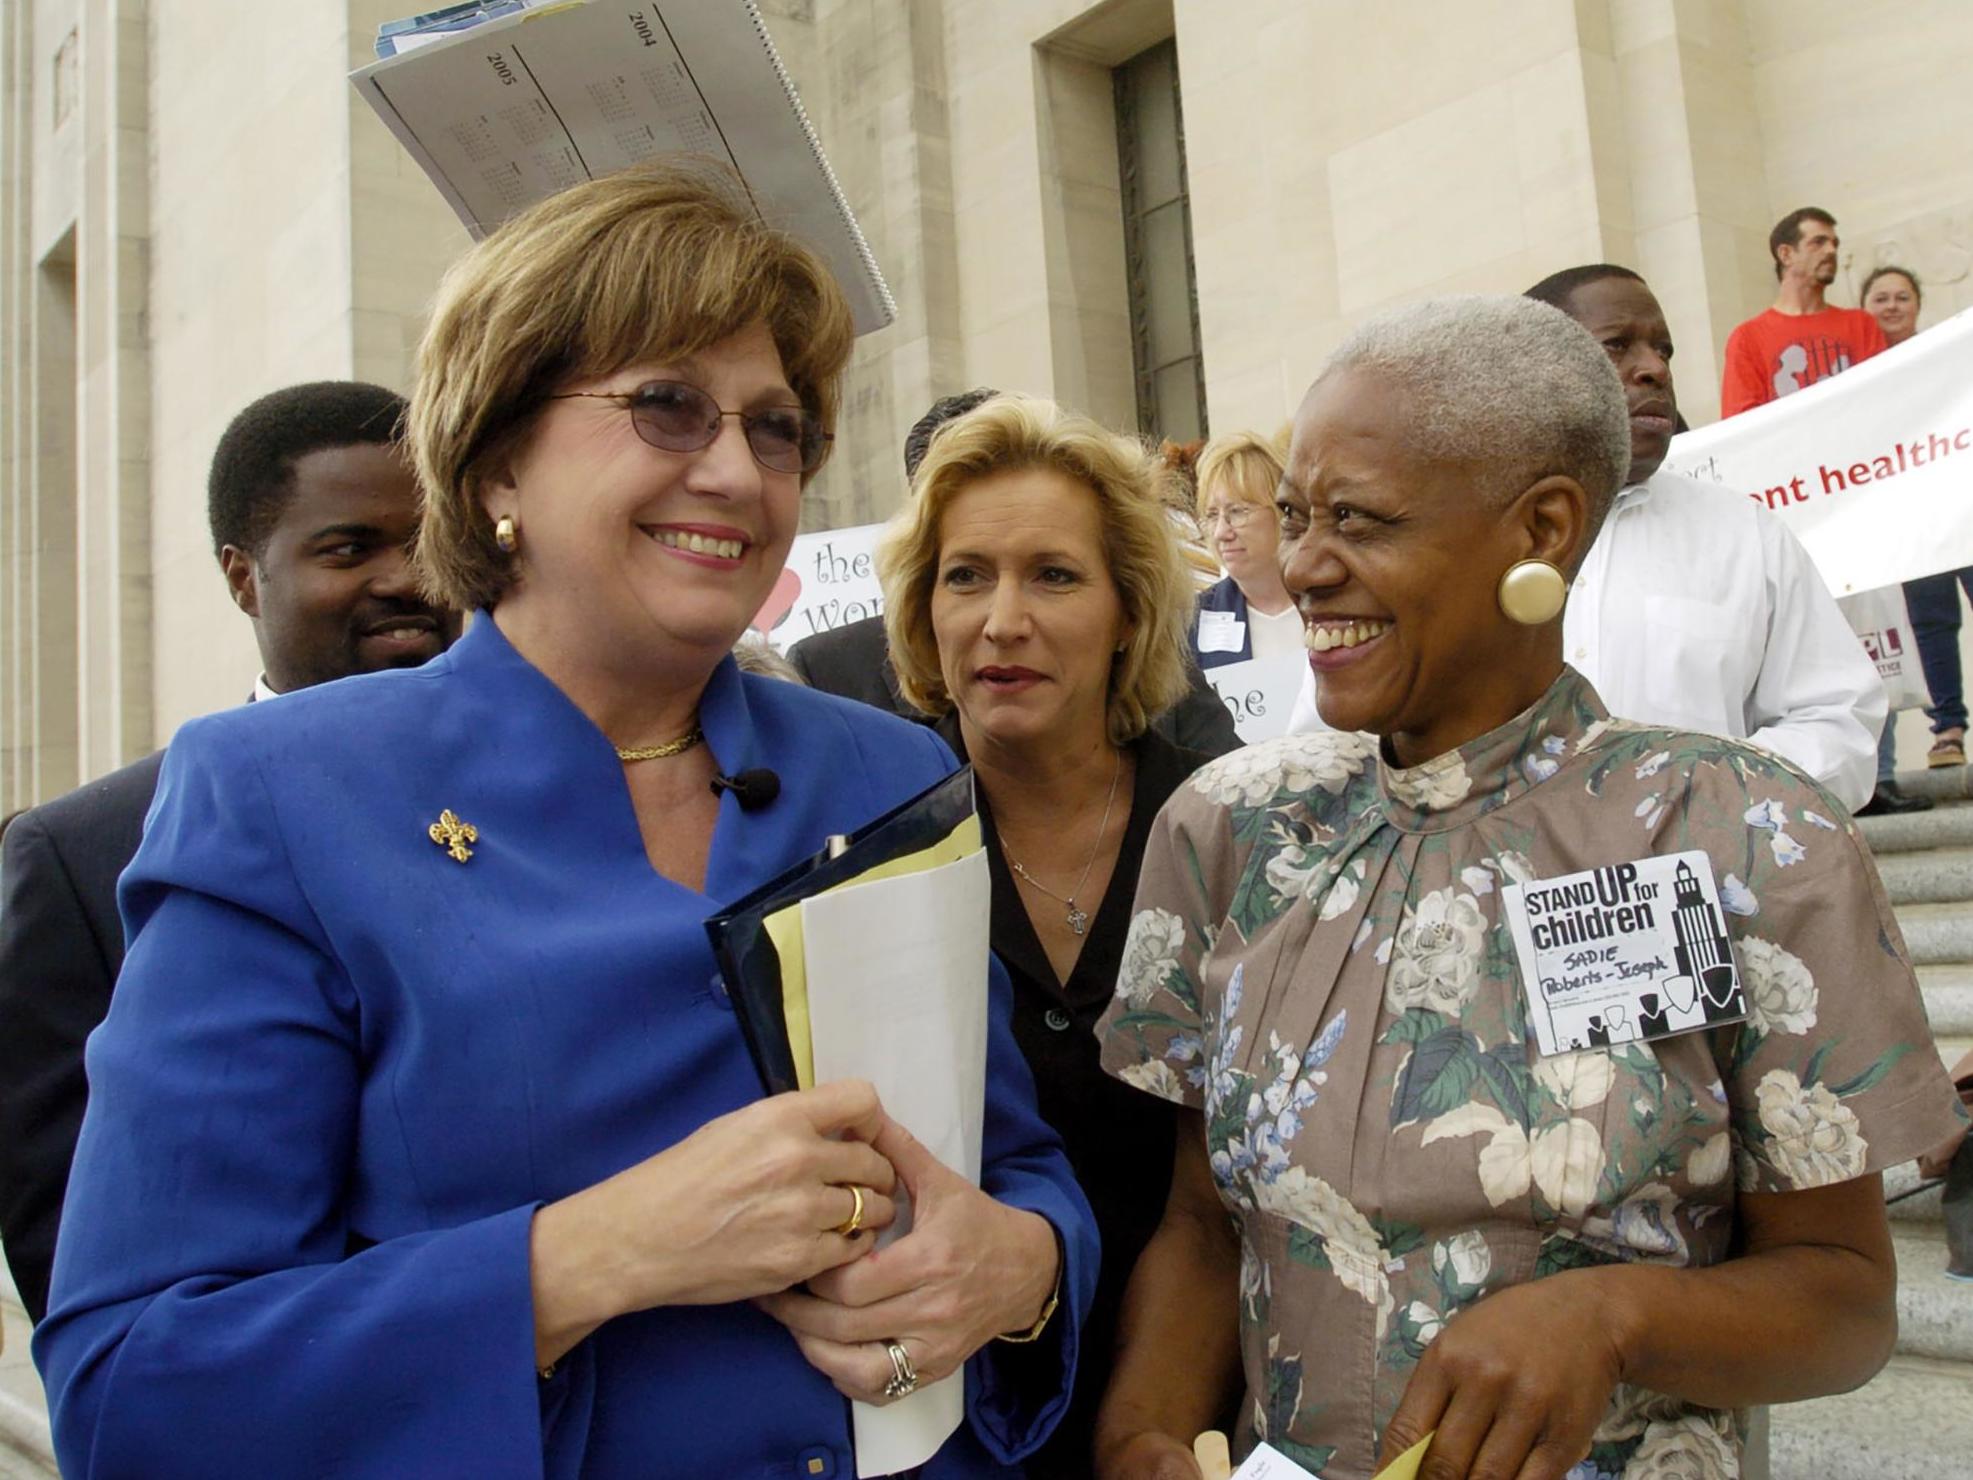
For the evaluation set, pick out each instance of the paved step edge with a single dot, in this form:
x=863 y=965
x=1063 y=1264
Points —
x=24 y=1430
x=1935 y=1314
x=1948 y=1004
x=1937 y=934
x=1898 y=1426
x=1952 y=1047
x=1920 y=1207
x=1928 y=876
x=1945 y=785
x=1942 y=827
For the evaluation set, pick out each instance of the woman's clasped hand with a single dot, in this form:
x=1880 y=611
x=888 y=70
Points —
x=749 y=1203
x=786 y=1193
x=969 y=1269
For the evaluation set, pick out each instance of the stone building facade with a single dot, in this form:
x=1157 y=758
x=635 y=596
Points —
x=196 y=208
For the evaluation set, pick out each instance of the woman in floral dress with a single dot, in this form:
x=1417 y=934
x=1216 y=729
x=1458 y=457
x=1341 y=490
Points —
x=1587 y=1263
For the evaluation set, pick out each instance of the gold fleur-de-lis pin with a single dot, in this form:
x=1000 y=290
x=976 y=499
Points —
x=453 y=835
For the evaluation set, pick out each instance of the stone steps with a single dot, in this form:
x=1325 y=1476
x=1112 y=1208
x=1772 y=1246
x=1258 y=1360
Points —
x=1952 y=1048
x=1937 y=934
x=1927 y=1207
x=25 y=1450
x=1911 y=1422
x=1928 y=876
x=1948 y=989
x=1914 y=1419
x=1946 y=785
x=1943 y=827
x=1935 y=1312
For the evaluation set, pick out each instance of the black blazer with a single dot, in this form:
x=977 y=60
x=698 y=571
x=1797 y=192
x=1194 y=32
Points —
x=854 y=660
x=1223 y=596
x=1119 y=1139
x=61 y=946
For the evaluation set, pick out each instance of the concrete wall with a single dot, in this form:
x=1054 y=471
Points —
x=1864 y=110
x=251 y=288
x=76 y=694
x=266 y=274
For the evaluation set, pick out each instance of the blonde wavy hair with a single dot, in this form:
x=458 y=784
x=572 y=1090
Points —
x=653 y=263
x=1246 y=464
x=1140 y=549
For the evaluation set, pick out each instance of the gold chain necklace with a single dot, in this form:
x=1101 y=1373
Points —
x=661 y=752
x=1077 y=918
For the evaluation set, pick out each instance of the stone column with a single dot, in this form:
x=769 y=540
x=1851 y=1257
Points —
x=113 y=409
x=873 y=75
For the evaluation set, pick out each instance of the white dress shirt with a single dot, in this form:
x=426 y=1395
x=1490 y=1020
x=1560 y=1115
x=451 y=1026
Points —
x=1699 y=610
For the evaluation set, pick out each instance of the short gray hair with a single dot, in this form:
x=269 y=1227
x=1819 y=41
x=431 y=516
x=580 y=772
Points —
x=1505 y=380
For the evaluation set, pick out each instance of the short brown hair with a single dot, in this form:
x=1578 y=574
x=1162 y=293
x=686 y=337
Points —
x=1009 y=434
x=1246 y=462
x=652 y=263
x=1788 y=231
x=1891 y=269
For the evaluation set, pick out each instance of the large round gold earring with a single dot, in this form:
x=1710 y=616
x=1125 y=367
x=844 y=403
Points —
x=1532 y=592
x=507 y=533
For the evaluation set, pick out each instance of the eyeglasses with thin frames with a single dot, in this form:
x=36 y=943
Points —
x=676 y=417
x=1233 y=516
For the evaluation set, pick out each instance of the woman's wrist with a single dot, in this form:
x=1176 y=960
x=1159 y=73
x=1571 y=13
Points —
x=1041 y=1264
x=575 y=1287
x=1623 y=1304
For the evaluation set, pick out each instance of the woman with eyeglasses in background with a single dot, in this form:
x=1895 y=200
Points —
x=422 y=1137
x=1248 y=614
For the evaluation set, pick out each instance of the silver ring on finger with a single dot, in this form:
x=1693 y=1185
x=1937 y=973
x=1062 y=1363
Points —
x=904 y=1376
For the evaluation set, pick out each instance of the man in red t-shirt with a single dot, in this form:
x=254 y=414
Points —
x=1801 y=339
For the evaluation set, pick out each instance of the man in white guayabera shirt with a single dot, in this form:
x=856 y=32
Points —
x=1696 y=608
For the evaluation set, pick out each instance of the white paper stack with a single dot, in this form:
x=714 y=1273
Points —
x=897 y=994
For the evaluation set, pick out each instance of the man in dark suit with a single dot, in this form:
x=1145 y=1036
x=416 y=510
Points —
x=854 y=660
x=312 y=509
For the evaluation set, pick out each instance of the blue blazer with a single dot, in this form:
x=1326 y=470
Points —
x=1224 y=595
x=342 y=1070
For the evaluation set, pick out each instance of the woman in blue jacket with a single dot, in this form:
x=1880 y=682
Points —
x=422 y=1139
x=1247 y=613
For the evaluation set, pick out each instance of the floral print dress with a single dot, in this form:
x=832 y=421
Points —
x=1319 y=963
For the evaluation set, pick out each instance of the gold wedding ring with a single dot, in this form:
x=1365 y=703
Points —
x=904 y=1376
x=853 y=1224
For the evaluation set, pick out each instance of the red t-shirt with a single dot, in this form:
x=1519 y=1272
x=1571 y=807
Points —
x=1775 y=354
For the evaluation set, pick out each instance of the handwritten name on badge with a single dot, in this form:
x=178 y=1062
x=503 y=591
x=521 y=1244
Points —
x=1269 y=1463
x=1626 y=952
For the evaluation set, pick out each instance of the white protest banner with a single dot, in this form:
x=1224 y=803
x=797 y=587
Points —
x=1872 y=469
x=830 y=581
x=1882 y=620
x=1259 y=694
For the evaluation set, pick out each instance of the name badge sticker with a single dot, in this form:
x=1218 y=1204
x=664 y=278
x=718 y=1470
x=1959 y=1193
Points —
x=1221 y=632
x=1626 y=952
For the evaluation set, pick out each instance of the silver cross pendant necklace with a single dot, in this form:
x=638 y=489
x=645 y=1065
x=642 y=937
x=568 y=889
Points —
x=1077 y=917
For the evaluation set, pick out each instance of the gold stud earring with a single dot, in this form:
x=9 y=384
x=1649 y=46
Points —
x=507 y=533
x=1532 y=592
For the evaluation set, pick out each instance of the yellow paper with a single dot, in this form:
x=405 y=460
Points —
x=1405 y=1466
x=784 y=928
